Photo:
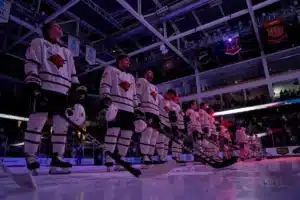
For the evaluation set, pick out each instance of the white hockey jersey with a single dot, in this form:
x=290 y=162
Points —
x=241 y=136
x=147 y=94
x=204 y=119
x=120 y=87
x=213 y=128
x=194 y=122
x=50 y=65
x=164 y=108
x=180 y=114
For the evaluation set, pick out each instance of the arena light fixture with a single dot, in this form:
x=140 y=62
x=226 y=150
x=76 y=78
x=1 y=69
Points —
x=258 y=107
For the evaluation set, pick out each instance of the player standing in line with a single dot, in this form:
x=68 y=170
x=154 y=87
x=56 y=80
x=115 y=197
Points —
x=204 y=120
x=193 y=124
x=163 y=141
x=213 y=145
x=177 y=147
x=242 y=140
x=147 y=94
x=120 y=106
x=50 y=74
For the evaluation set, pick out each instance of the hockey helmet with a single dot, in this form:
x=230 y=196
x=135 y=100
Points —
x=76 y=114
x=139 y=125
x=111 y=113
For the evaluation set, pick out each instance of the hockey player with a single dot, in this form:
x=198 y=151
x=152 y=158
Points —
x=163 y=141
x=213 y=139
x=204 y=120
x=242 y=140
x=177 y=147
x=118 y=91
x=147 y=94
x=193 y=125
x=50 y=74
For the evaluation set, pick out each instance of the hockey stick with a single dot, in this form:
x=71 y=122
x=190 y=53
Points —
x=205 y=159
x=116 y=157
x=22 y=179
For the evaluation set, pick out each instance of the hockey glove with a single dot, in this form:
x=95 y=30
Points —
x=206 y=130
x=138 y=114
x=186 y=119
x=33 y=94
x=33 y=89
x=105 y=102
x=172 y=116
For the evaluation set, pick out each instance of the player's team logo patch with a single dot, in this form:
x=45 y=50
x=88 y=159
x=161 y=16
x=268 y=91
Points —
x=57 y=60
x=282 y=150
x=154 y=95
x=125 y=85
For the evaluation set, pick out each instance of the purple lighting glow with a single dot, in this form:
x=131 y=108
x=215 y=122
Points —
x=229 y=39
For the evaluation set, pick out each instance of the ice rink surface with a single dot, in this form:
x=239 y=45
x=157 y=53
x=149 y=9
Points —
x=277 y=179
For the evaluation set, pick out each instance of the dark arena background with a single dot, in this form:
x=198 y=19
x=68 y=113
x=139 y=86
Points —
x=241 y=57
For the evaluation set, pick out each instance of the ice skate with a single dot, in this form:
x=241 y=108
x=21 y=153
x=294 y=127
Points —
x=32 y=165
x=109 y=166
x=58 y=166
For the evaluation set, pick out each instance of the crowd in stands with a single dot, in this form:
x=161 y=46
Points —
x=289 y=94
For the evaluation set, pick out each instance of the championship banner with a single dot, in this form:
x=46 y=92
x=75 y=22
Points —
x=74 y=45
x=5 y=6
x=275 y=30
x=90 y=55
x=232 y=44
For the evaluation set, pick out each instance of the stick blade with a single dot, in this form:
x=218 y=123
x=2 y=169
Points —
x=24 y=180
x=159 y=169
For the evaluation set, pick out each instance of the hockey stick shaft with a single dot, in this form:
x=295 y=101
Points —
x=117 y=158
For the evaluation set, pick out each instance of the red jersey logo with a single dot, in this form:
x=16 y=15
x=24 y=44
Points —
x=125 y=85
x=57 y=60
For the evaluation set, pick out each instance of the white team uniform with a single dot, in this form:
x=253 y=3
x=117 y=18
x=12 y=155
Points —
x=162 y=144
x=120 y=87
x=147 y=94
x=177 y=148
x=204 y=120
x=51 y=66
x=194 y=123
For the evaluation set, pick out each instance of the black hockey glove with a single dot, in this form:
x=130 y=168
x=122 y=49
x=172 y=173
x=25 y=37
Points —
x=33 y=95
x=33 y=89
x=186 y=119
x=105 y=103
x=77 y=94
x=206 y=130
x=138 y=114
x=172 y=116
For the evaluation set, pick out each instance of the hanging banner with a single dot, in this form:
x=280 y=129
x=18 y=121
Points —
x=276 y=31
x=74 y=45
x=5 y=6
x=232 y=44
x=90 y=55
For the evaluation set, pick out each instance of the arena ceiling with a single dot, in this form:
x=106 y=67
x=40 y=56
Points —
x=152 y=32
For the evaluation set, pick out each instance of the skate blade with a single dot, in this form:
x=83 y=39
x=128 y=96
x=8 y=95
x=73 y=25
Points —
x=157 y=170
x=55 y=171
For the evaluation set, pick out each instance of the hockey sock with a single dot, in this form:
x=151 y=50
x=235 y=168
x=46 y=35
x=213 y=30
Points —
x=153 y=141
x=124 y=142
x=110 y=142
x=145 y=142
x=33 y=132
x=160 y=146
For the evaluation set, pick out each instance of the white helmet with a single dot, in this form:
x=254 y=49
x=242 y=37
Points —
x=140 y=125
x=111 y=113
x=76 y=114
